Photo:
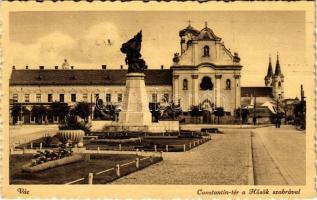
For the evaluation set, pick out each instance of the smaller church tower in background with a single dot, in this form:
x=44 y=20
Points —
x=278 y=81
x=269 y=76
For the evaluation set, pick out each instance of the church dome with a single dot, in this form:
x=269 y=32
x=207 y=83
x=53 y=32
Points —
x=188 y=29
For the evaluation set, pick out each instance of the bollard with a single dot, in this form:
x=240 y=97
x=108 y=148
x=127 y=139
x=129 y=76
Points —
x=190 y=145
x=137 y=151
x=120 y=147
x=118 y=170
x=137 y=163
x=151 y=158
x=31 y=145
x=194 y=144
x=166 y=148
x=155 y=148
x=90 y=178
x=41 y=145
x=184 y=147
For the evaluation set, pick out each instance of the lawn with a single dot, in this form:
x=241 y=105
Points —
x=92 y=163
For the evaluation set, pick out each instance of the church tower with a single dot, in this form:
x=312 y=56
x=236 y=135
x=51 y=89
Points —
x=269 y=76
x=278 y=81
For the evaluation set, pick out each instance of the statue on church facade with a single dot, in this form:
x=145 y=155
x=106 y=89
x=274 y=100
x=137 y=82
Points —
x=133 y=58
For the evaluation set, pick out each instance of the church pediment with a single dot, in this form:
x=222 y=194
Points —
x=208 y=34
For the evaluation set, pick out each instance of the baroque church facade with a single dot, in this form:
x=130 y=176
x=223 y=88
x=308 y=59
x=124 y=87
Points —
x=205 y=73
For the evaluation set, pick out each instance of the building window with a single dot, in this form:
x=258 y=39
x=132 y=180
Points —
x=15 y=98
x=85 y=97
x=228 y=84
x=38 y=98
x=27 y=98
x=206 y=51
x=154 y=97
x=50 y=98
x=279 y=84
x=73 y=97
x=206 y=83
x=61 y=98
x=119 y=97
x=108 y=98
x=185 y=84
x=166 y=97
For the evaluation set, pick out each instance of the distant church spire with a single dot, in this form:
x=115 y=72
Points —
x=277 y=67
x=269 y=69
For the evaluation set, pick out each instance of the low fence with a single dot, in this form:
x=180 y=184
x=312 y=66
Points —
x=119 y=170
x=153 y=148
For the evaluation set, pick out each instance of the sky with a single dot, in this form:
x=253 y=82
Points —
x=47 y=38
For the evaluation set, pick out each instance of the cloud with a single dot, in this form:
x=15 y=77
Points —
x=99 y=44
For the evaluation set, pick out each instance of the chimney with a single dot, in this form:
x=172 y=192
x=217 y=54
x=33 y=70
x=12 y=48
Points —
x=41 y=67
x=104 y=66
x=162 y=66
x=13 y=67
x=121 y=66
x=72 y=67
x=56 y=67
x=26 y=67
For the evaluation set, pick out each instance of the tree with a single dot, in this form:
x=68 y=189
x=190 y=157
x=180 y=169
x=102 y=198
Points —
x=39 y=112
x=16 y=112
x=59 y=109
x=244 y=113
x=219 y=112
x=82 y=109
x=195 y=112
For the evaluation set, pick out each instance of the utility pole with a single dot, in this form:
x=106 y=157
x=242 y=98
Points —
x=254 y=111
x=91 y=113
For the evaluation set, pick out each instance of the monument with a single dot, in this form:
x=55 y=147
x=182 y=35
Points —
x=135 y=114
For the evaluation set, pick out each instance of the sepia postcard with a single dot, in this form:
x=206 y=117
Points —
x=158 y=100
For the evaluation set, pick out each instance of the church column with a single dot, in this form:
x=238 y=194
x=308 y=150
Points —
x=175 y=89
x=237 y=91
x=218 y=89
x=195 y=89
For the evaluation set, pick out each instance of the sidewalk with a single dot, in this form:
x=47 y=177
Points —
x=282 y=152
x=223 y=160
x=22 y=134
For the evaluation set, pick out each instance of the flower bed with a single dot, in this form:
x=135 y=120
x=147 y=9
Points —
x=51 y=164
x=47 y=159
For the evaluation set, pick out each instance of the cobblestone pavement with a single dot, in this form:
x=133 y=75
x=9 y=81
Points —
x=223 y=160
x=279 y=156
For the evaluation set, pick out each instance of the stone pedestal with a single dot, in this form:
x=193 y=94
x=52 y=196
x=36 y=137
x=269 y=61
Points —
x=135 y=110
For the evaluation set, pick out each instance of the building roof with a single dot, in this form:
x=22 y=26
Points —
x=85 y=77
x=256 y=91
x=189 y=29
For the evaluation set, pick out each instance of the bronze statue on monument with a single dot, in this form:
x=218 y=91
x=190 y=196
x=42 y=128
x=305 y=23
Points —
x=133 y=58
